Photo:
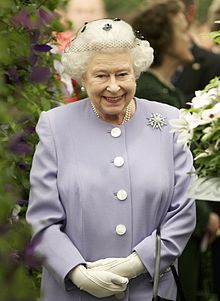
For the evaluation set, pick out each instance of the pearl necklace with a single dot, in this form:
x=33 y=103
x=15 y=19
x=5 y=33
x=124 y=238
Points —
x=127 y=115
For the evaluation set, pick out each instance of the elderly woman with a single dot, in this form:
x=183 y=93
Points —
x=106 y=174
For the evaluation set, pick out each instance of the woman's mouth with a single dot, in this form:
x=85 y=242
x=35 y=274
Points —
x=113 y=99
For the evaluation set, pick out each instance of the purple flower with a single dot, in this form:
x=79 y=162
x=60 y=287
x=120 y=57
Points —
x=30 y=258
x=34 y=58
x=23 y=202
x=26 y=19
x=45 y=15
x=40 y=74
x=18 y=144
x=30 y=129
x=42 y=47
x=23 y=18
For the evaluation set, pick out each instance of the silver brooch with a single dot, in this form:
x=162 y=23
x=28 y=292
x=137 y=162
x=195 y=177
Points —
x=156 y=120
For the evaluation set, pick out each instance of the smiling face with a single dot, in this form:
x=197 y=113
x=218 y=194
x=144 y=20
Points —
x=110 y=84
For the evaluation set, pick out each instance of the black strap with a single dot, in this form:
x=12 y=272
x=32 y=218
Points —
x=178 y=283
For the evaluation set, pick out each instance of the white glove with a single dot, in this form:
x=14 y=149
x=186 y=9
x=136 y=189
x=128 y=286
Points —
x=98 y=283
x=129 y=267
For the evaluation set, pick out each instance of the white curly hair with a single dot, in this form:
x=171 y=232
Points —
x=103 y=35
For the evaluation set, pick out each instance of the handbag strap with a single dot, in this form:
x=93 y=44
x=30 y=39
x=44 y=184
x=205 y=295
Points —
x=178 y=283
x=157 y=272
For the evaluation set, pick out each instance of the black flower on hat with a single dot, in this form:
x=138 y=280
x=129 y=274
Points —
x=107 y=27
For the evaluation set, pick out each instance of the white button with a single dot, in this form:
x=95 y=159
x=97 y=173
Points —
x=122 y=195
x=120 y=229
x=119 y=161
x=116 y=132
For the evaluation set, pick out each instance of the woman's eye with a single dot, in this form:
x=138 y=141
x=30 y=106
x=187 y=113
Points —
x=122 y=74
x=101 y=75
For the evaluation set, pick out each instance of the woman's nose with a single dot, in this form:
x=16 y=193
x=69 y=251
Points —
x=113 y=85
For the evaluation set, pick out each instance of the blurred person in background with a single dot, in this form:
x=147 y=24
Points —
x=203 y=30
x=190 y=78
x=80 y=11
x=205 y=66
x=164 y=25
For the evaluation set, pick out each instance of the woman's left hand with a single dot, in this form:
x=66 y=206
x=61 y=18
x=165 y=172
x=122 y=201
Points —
x=129 y=267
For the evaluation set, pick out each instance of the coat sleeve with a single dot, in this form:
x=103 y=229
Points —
x=45 y=213
x=178 y=222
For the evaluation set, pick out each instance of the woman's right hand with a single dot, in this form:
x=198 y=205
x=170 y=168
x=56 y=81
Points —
x=98 y=283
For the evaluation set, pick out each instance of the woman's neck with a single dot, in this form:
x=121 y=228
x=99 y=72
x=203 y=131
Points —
x=164 y=73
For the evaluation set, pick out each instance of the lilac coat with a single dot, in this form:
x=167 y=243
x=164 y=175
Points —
x=74 y=209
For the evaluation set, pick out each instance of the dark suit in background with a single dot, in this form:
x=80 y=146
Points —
x=150 y=87
x=196 y=75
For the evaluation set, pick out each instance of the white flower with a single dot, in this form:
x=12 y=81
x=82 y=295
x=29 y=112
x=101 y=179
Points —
x=208 y=132
x=185 y=125
x=185 y=137
x=15 y=213
x=217 y=145
x=58 y=66
x=64 y=77
x=207 y=116
x=206 y=153
x=54 y=49
x=200 y=125
x=67 y=80
x=204 y=98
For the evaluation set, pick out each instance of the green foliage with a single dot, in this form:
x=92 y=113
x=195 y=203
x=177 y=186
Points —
x=208 y=165
x=28 y=86
x=200 y=126
x=202 y=7
x=215 y=35
x=206 y=141
x=118 y=9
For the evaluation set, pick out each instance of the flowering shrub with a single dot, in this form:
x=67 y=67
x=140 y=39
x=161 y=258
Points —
x=199 y=127
x=29 y=85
